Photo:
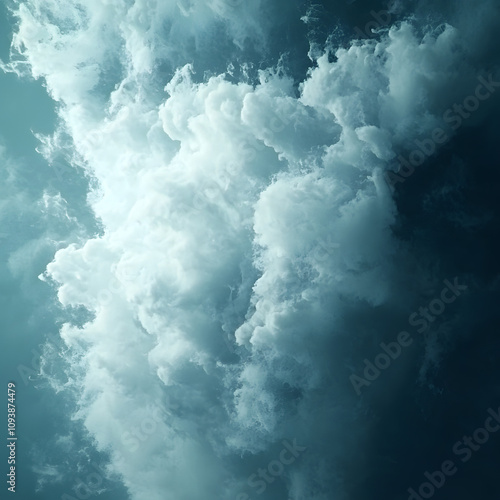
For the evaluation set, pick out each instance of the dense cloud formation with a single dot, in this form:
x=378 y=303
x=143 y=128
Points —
x=263 y=231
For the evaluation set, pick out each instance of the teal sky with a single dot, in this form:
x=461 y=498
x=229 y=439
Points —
x=27 y=305
x=24 y=104
x=216 y=239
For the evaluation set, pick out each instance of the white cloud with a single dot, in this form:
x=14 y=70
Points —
x=228 y=210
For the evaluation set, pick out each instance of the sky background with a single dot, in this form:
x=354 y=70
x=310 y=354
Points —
x=208 y=225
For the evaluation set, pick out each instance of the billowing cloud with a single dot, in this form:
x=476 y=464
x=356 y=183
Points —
x=248 y=235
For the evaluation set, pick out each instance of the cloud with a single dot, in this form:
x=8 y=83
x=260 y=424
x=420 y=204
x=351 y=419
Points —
x=243 y=223
x=46 y=474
